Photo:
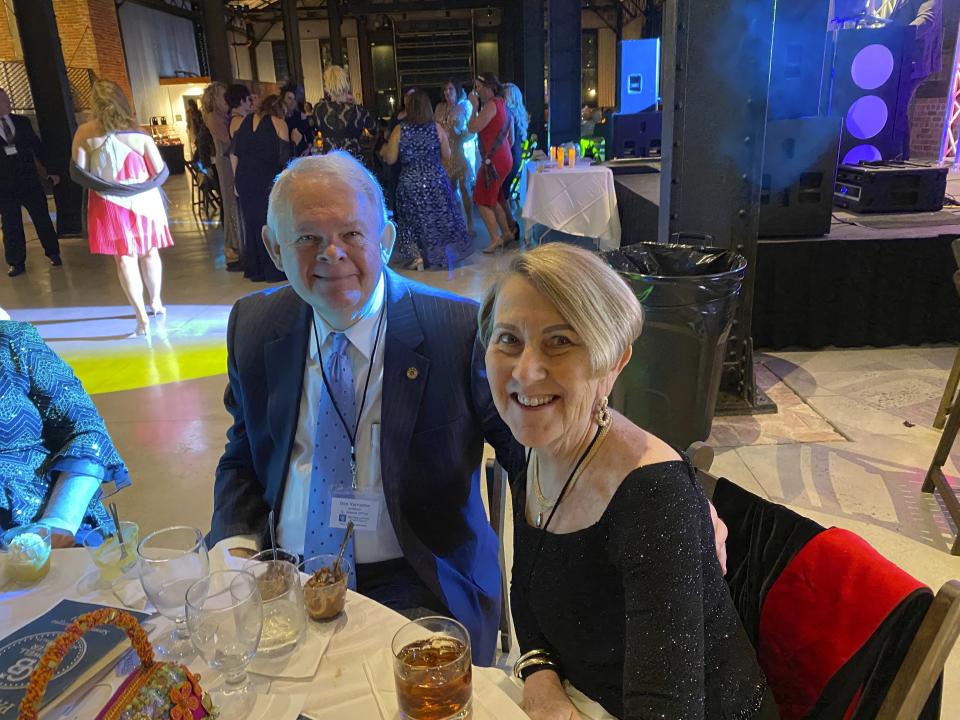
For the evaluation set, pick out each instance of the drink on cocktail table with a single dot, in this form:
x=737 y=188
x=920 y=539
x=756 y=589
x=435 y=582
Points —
x=432 y=670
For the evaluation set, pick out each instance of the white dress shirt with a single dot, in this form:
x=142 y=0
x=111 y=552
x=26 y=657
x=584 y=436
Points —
x=373 y=545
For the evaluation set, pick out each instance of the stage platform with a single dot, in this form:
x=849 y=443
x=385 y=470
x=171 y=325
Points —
x=879 y=280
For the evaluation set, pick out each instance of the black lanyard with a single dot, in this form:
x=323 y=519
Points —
x=563 y=492
x=352 y=437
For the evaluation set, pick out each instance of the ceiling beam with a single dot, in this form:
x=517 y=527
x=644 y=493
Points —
x=180 y=8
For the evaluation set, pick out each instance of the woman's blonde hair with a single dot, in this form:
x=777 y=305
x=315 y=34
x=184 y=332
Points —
x=209 y=99
x=336 y=83
x=587 y=293
x=513 y=99
x=111 y=109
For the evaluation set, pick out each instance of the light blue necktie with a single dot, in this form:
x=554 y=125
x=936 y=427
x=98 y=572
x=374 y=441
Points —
x=332 y=469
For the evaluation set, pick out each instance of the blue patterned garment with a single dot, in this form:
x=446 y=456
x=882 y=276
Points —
x=48 y=424
x=429 y=219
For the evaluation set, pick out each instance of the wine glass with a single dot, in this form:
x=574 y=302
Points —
x=170 y=561
x=225 y=617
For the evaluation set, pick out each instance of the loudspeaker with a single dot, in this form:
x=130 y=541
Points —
x=638 y=75
x=799 y=46
x=636 y=135
x=799 y=165
x=868 y=76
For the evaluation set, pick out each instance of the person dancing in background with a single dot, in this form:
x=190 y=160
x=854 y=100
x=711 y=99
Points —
x=430 y=226
x=239 y=105
x=452 y=114
x=342 y=122
x=260 y=150
x=520 y=120
x=494 y=135
x=216 y=116
x=127 y=218
x=298 y=124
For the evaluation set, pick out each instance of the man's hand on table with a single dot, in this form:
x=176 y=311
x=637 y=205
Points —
x=242 y=552
x=545 y=699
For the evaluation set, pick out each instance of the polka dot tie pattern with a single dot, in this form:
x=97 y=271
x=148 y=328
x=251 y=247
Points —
x=331 y=453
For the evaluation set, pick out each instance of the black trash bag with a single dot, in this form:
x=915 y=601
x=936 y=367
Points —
x=689 y=296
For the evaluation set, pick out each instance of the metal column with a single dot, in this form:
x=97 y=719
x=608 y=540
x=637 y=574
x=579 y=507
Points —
x=533 y=51
x=565 y=41
x=716 y=78
x=335 y=21
x=291 y=41
x=53 y=103
x=218 y=46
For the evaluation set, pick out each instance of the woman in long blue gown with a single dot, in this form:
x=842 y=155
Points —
x=431 y=229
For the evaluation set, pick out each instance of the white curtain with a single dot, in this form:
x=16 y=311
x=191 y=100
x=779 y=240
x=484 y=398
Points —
x=157 y=45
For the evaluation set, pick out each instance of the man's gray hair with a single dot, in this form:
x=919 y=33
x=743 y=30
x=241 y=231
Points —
x=337 y=165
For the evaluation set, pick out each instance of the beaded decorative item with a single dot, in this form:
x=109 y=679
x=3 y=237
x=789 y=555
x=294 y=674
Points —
x=155 y=691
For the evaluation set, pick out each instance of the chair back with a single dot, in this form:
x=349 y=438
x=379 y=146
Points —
x=831 y=618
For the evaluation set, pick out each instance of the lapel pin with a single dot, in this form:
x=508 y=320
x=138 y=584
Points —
x=412 y=373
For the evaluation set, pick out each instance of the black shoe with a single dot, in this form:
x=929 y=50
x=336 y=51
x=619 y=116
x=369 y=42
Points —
x=16 y=270
x=235 y=266
x=56 y=261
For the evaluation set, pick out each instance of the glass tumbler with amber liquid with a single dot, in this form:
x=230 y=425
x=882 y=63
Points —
x=432 y=669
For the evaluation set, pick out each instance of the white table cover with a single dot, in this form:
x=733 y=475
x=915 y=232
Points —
x=581 y=200
x=354 y=678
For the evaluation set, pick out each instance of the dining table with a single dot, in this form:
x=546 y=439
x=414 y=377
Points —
x=578 y=200
x=341 y=669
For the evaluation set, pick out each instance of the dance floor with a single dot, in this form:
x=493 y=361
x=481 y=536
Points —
x=849 y=448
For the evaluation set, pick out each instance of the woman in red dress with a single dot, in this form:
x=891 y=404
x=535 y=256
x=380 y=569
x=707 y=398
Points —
x=494 y=136
x=130 y=227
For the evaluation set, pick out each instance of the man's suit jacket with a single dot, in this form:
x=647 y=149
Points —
x=15 y=170
x=436 y=412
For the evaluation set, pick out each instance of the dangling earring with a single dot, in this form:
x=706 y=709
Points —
x=604 y=418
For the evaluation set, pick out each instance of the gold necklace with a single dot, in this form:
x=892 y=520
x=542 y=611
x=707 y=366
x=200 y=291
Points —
x=542 y=501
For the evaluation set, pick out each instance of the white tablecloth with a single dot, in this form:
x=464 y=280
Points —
x=354 y=678
x=580 y=200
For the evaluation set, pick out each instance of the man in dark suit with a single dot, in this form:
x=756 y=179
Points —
x=20 y=171
x=357 y=394
x=923 y=52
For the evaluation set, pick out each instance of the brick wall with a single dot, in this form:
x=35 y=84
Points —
x=7 y=46
x=111 y=64
x=926 y=127
x=76 y=35
x=89 y=35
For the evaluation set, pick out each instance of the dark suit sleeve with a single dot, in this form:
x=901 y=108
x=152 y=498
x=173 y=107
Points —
x=495 y=431
x=28 y=138
x=238 y=505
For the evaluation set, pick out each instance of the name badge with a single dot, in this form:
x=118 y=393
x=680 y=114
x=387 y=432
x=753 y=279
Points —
x=10 y=149
x=362 y=509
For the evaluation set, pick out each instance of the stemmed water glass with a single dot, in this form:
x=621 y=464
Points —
x=225 y=617
x=170 y=561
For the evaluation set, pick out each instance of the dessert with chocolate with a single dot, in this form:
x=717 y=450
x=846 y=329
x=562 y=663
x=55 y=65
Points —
x=325 y=593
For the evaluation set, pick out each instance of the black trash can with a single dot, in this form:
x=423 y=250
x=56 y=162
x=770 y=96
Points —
x=689 y=296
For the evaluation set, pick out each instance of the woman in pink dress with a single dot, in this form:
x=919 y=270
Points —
x=126 y=217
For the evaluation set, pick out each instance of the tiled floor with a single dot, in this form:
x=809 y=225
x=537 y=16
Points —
x=849 y=446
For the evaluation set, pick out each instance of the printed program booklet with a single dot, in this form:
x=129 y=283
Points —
x=86 y=661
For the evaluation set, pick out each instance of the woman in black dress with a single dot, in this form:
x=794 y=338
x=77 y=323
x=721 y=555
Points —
x=260 y=150
x=343 y=124
x=617 y=586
